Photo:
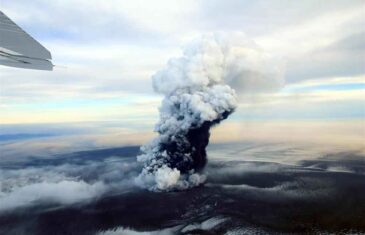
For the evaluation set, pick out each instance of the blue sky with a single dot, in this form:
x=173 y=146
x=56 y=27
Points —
x=106 y=52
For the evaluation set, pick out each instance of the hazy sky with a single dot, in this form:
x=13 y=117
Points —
x=106 y=51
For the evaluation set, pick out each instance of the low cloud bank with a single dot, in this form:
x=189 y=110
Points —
x=65 y=183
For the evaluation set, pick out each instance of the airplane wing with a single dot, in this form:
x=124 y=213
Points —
x=19 y=49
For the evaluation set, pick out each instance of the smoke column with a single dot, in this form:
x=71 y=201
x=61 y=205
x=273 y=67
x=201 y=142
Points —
x=196 y=97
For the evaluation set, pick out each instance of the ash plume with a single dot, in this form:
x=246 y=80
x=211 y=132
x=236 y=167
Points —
x=196 y=97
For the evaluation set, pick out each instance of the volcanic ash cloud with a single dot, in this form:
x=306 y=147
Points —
x=196 y=97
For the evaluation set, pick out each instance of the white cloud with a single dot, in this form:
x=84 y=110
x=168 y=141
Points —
x=322 y=31
x=64 y=192
x=329 y=81
x=127 y=231
x=64 y=184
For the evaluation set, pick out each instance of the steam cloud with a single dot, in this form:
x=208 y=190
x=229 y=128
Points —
x=197 y=96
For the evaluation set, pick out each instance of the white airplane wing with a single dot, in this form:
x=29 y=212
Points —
x=19 y=49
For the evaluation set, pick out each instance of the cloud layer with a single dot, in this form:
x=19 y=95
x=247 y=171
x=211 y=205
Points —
x=131 y=40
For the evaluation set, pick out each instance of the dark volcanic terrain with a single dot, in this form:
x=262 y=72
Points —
x=322 y=195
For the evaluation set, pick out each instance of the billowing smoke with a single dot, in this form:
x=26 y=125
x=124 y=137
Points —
x=196 y=97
